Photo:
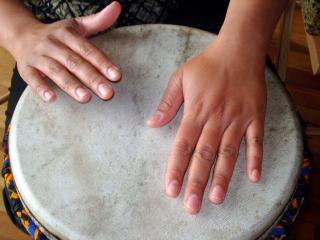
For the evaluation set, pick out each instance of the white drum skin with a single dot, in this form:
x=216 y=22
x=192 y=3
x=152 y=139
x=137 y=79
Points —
x=96 y=171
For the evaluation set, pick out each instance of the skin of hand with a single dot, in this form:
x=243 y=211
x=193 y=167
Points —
x=224 y=97
x=222 y=103
x=61 y=52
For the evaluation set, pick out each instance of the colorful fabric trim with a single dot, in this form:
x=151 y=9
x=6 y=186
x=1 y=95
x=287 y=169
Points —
x=15 y=203
x=283 y=227
x=279 y=231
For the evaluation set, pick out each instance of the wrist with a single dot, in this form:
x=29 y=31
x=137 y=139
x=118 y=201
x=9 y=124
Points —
x=15 y=36
x=237 y=57
x=240 y=48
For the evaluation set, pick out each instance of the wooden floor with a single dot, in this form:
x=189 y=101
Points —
x=305 y=92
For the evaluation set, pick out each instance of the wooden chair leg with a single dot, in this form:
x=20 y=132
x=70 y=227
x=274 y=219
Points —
x=286 y=29
x=4 y=98
x=314 y=52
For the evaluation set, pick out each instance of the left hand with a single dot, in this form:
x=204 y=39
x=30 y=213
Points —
x=224 y=96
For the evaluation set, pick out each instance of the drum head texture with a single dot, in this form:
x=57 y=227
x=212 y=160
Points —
x=96 y=171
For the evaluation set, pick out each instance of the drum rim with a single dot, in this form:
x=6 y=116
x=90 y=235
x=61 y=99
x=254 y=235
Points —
x=146 y=27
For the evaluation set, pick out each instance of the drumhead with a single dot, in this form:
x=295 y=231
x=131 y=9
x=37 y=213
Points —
x=96 y=171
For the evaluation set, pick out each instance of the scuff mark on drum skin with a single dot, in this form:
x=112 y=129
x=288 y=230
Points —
x=279 y=204
x=135 y=98
x=135 y=133
x=145 y=33
x=184 y=34
x=272 y=129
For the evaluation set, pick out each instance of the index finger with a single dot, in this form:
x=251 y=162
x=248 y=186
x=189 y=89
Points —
x=185 y=142
x=92 y=54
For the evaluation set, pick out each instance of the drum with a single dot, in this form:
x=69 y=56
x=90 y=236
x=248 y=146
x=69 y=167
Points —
x=96 y=171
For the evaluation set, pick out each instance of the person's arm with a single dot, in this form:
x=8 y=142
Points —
x=249 y=25
x=13 y=17
x=59 y=51
x=224 y=97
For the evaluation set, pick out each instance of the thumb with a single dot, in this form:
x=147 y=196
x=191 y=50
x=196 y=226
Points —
x=100 y=21
x=169 y=103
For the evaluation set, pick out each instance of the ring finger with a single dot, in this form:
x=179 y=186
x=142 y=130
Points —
x=227 y=156
x=63 y=78
x=202 y=161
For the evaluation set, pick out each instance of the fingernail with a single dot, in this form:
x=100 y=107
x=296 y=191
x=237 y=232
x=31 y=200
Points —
x=193 y=202
x=104 y=89
x=217 y=194
x=255 y=175
x=114 y=73
x=155 y=117
x=173 y=188
x=48 y=96
x=81 y=92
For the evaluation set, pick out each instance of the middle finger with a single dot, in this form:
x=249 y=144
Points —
x=202 y=161
x=186 y=139
x=227 y=156
x=84 y=71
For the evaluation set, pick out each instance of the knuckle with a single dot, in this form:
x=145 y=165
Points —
x=103 y=61
x=86 y=49
x=95 y=80
x=66 y=85
x=256 y=158
x=182 y=146
x=72 y=23
x=196 y=184
x=221 y=178
x=228 y=151
x=205 y=153
x=176 y=77
x=166 y=104
x=73 y=62
x=257 y=141
x=174 y=173
x=218 y=113
x=55 y=68
x=43 y=42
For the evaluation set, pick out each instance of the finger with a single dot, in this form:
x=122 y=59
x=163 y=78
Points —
x=202 y=162
x=169 y=103
x=99 y=22
x=227 y=156
x=254 y=149
x=84 y=71
x=186 y=139
x=60 y=75
x=91 y=54
x=38 y=84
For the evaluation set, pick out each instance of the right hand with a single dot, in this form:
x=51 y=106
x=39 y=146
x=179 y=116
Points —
x=61 y=52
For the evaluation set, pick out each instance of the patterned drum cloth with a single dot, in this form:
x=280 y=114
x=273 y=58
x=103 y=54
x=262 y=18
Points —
x=311 y=14
x=134 y=11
